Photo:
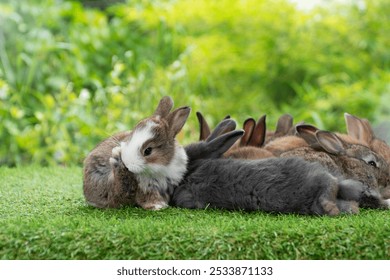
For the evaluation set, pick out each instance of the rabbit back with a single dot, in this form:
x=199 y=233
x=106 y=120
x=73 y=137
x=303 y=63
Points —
x=99 y=187
x=282 y=185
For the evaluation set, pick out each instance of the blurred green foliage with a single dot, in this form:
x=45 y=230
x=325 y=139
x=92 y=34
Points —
x=73 y=74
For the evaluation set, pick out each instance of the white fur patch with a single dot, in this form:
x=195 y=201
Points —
x=175 y=169
x=387 y=202
x=115 y=153
x=131 y=154
x=161 y=175
x=159 y=206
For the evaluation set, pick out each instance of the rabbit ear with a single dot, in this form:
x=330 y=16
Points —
x=285 y=123
x=308 y=133
x=331 y=143
x=258 y=136
x=359 y=129
x=218 y=146
x=249 y=126
x=223 y=127
x=164 y=107
x=204 y=127
x=177 y=119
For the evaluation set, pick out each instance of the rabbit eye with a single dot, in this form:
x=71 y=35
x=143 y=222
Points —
x=372 y=163
x=147 y=151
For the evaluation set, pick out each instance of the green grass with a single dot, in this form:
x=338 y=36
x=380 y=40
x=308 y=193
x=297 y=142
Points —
x=43 y=216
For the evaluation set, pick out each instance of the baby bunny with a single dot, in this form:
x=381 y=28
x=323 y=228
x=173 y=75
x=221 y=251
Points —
x=284 y=127
x=285 y=139
x=138 y=167
x=282 y=185
x=205 y=129
x=351 y=161
x=250 y=144
x=361 y=130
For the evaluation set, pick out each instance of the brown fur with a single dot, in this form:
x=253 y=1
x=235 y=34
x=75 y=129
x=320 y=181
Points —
x=352 y=161
x=162 y=143
x=360 y=130
x=107 y=183
x=284 y=144
x=284 y=127
x=250 y=145
x=248 y=153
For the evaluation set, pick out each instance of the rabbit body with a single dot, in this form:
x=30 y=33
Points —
x=282 y=185
x=139 y=167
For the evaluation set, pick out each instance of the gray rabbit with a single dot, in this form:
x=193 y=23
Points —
x=281 y=185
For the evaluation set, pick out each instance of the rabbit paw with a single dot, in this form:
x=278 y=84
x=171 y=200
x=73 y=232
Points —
x=155 y=206
x=348 y=207
x=115 y=159
x=387 y=203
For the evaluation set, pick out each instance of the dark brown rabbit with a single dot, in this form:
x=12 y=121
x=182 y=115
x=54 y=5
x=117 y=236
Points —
x=139 y=167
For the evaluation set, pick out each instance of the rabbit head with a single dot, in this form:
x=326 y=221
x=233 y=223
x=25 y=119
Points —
x=361 y=130
x=151 y=150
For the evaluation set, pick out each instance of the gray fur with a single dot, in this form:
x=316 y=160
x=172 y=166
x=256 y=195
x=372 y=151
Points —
x=282 y=185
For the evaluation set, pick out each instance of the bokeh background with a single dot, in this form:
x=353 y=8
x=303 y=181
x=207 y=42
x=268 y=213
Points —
x=74 y=72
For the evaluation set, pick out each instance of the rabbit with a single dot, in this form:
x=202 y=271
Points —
x=246 y=147
x=285 y=137
x=138 y=167
x=283 y=185
x=361 y=131
x=284 y=127
x=352 y=161
x=269 y=144
x=250 y=144
x=204 y=127
x=283 y=144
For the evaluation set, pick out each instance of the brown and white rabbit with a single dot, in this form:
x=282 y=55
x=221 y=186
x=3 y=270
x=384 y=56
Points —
x=361 y=130
x=282 y=185
x=138 y=167
x=351 y=161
